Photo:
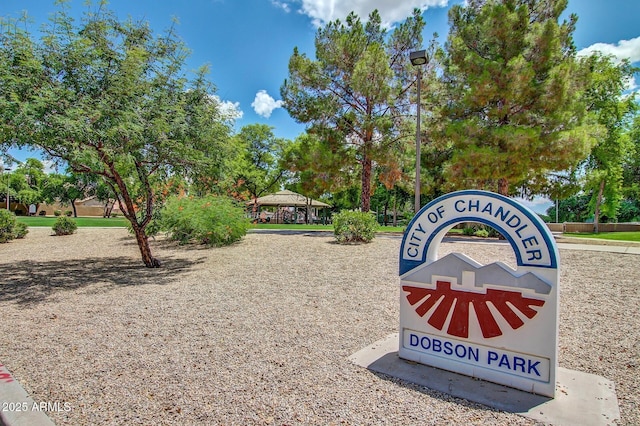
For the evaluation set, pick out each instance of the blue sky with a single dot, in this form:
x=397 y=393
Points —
x=247 y=43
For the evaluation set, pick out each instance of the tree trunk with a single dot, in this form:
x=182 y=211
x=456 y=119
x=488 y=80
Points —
x=365 y=195
x=503 y=187
x=73 y=206
x=254 y=209
x=596 y=214
x=395 y=210
x=108 y=208
x=384 y=214
x=145 y=249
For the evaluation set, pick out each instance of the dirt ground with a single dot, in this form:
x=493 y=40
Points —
x=260 y=332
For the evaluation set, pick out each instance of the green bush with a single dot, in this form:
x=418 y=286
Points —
x=481 y=233
x=68 y=213
x=480 y=230
x=213 y=221
x=57 y=212
x=7 y=226
x=42 y=213
x=64 y=226
x=468 y=230
x=352 y=227
x=10 y=228
x=493 y=233
x=20 y=231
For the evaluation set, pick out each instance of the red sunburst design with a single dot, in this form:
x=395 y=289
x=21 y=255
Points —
x=5 y=376
x=448 y=299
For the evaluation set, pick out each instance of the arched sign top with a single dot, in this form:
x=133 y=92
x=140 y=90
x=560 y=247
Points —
x=529 y=237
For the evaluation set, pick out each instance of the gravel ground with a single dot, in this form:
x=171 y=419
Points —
x=260 y=332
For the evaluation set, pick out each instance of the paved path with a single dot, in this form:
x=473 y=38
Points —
x=600 y=247
x=566 y=243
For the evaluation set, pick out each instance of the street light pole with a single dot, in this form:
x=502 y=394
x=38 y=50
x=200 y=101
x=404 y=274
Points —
x=418 y=58
x=7 y=169
x=417 y=198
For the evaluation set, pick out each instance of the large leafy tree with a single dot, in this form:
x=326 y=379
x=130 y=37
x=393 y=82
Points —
x=109 y=98
x=355 y=93
x=317 y=166
x=515 y=109
x=68 y=188
x=27 y=181
x=613 y=111
x=631 y=175
x=574 y=208
x=258 y=167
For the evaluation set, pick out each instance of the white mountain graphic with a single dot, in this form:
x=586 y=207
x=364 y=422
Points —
x=454 y=264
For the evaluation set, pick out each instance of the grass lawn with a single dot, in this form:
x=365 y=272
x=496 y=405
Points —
x=99 y=222
x=617 y=236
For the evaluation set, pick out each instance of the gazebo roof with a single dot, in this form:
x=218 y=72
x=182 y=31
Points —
x=287 y=199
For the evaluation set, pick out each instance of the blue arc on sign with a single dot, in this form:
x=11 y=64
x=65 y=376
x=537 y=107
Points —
x=408 y=265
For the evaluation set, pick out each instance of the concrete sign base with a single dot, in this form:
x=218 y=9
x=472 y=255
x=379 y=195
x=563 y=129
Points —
x=580 y=398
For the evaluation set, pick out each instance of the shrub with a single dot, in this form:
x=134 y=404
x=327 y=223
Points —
x=213 y=221
x=7 y=226
x=64 y=226
x=10 y=228
x=352 y=227
x=20 y=231
x=68 y=213
x=42 y=213
x=57 y=212
x=481 y=233
x=468 y=230
x=493 y=233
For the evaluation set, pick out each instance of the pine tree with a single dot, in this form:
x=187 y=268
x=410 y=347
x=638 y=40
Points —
x=354 y=95
x=514 y=86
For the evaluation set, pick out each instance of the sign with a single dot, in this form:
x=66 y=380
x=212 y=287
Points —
x=486 y=321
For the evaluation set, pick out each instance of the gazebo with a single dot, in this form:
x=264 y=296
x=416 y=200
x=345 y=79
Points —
x=287 y=205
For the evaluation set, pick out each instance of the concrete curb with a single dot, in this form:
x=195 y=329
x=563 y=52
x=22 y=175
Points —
x=562 y=238
x=602 y=248
x=17 y=407
x=581 y=398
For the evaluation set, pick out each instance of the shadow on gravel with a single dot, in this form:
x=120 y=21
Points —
x=34 y=282
x=514 y=401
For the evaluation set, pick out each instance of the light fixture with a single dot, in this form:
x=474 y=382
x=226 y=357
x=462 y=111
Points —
x=418 y=57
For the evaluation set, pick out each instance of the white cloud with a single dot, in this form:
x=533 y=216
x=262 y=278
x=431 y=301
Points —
x=281 y=5
x=264 y=104
x=230 y=111
x=323 y=11
x=50 y=166
x=631 y=84
x=624 y=49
